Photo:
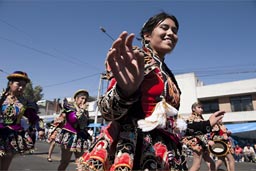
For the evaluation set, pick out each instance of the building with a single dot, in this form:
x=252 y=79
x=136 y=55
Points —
x=237 y=98
x=48 y=110
x=47 y=107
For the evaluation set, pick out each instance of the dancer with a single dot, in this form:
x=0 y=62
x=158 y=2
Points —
x=74 y=137
x=13 y=138
x=141 y=102
x=220 y=133
x=198 y=143
x=53 y=131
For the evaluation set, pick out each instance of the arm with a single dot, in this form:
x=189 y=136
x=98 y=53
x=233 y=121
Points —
x=204 y=127
x=113 y=105
x=127 y=67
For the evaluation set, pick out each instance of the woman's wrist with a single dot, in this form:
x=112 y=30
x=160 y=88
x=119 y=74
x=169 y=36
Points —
x=125 y=99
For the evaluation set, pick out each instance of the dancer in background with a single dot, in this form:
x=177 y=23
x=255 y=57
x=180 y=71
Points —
x=198 y=142
x=221 y=133
x=54 y=130
x=74 y=136
x=13 y=138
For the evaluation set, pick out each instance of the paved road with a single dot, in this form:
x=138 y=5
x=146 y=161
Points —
x=38 y=161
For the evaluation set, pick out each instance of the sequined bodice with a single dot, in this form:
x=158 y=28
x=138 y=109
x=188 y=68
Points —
x=10 y=111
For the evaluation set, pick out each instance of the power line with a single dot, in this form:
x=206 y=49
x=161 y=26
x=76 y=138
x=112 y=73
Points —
x=70 y=81
x=41 y=51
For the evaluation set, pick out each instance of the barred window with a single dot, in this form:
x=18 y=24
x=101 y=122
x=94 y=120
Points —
x=241 y=103
x=210 y=106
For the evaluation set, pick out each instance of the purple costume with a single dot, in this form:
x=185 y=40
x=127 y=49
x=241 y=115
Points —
x=74 y=133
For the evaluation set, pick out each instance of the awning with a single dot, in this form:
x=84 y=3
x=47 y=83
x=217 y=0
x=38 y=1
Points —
x=243 y=130
x=241 y=127
x=91 y=125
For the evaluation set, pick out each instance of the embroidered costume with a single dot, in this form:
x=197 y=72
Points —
x=197 y=141
x=13 y=137
x=73 y=124
x=142 y=132
x=219 y=134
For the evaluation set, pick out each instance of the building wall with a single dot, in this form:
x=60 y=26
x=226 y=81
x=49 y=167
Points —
x=187 y=84
x=224 y=104
x=193 y=90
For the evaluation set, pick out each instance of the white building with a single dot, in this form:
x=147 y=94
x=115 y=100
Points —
x=237 y=98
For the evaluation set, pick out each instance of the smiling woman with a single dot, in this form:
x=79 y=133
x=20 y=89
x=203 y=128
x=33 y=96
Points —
x=141 y=103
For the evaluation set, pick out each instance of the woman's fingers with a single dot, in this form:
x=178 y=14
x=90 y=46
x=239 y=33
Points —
x=216 y=117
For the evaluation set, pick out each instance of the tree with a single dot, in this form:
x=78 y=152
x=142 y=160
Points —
x=35 y=94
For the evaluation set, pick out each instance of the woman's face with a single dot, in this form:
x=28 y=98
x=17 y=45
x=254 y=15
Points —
x=17 y=87
x=198 y=110
x=80 y=100
x=163 y=37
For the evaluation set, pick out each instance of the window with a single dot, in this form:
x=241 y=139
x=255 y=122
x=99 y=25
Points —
x=210 y=106
x=241 y=103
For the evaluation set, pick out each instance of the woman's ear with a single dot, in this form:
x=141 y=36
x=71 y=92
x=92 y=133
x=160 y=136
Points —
x=147 y=37
x=10 y=83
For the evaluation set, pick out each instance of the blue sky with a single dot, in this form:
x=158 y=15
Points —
x=60 y=44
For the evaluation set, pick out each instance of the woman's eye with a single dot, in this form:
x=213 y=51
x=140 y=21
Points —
x=165 y=27
x=174 y=30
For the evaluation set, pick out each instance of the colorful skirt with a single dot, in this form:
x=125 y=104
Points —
x=14 y=141
x=160 y=150
x=76 y=142
x=113 y=149
x=52 y=134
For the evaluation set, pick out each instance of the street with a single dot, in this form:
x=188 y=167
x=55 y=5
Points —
x=38 y=161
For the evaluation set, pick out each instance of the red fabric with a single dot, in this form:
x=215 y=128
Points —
x=161 y=153
x=151 y=88
x=122 y=160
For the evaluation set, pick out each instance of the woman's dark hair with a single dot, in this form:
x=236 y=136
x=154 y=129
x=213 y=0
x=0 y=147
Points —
x=152 y=22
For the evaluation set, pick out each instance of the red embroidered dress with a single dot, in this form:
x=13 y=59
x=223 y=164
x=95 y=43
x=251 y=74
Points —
x=124 y=146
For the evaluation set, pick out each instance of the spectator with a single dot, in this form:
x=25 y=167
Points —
x=238 y=153
x=249 y=153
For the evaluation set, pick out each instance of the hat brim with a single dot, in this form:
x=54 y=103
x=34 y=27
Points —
x=81 y=91
x=18 y=76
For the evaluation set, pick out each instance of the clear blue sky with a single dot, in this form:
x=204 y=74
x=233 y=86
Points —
x=60 y=45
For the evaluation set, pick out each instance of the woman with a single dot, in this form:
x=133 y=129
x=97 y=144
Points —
x=220 y=133
x=198 y=143
x=53 y=131
x=74 y=137
x=13 y=138
x=140 y=82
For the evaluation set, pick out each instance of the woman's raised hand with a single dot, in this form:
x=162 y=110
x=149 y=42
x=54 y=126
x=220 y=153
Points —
x=126 y=64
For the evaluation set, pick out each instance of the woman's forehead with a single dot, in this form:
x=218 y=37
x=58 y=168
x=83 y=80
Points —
x=19 y=82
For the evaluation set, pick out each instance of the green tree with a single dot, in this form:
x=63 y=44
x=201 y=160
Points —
x=33 y=94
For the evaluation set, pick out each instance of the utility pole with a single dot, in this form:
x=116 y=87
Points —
x=97 y=109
